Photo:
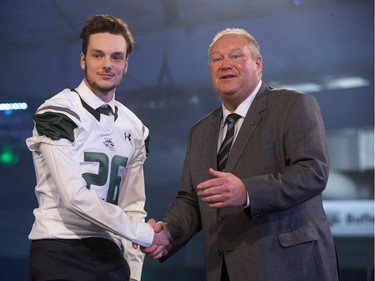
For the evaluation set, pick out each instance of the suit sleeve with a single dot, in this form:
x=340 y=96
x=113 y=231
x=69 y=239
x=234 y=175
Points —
x=183 y=216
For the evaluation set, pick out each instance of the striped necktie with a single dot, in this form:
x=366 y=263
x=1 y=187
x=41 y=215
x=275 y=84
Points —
x=222 y=156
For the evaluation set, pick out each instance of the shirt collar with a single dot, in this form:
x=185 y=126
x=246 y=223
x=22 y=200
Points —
x=243 y=108
x=91 y=99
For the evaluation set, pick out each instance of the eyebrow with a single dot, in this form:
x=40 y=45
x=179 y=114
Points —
x=100 y=51
x=95 y=50
x=230 y=51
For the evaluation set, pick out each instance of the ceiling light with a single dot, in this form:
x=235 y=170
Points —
x=346 y=83
x=302 y=87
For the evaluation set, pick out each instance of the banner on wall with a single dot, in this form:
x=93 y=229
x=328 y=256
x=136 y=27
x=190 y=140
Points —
x=350 y=218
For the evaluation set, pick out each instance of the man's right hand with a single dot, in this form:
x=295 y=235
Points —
x=162 y=242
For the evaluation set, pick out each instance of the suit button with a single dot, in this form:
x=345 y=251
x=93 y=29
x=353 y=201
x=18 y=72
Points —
x=220 y=219
x=219 y=253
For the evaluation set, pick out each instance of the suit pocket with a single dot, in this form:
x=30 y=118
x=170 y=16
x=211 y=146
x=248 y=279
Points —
x=298 y=236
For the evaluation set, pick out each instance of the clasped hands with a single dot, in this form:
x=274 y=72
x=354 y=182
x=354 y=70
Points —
x=162 y=242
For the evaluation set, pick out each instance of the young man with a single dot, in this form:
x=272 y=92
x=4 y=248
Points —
x=88 y=152
x=253 y=177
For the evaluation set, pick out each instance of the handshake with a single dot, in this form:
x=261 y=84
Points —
x=162 y=242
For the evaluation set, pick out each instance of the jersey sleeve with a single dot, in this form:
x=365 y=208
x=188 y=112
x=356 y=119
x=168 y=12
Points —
x=55 y=126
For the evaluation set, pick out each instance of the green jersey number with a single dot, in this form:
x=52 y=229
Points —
x=113 y=168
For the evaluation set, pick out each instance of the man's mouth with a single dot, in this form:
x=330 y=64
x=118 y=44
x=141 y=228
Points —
x=106 y=75
x=227 y=76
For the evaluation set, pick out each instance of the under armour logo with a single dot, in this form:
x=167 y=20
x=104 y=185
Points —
x=109 y=143
x=127 y=136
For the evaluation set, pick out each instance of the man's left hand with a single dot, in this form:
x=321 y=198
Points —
x=223 y=190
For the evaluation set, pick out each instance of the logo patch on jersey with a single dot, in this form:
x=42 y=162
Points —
x=128 y=136
x=109 y=143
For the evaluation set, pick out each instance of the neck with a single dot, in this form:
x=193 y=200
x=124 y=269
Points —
x=105 y=95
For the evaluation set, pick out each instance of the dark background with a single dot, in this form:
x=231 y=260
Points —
x=309 y=45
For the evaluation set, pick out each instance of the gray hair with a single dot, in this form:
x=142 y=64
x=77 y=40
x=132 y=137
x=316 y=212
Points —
x=239 y=31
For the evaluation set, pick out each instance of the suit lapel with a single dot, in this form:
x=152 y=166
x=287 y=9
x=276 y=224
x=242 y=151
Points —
x=213 y=136
x=208 y=155
x=248 y=127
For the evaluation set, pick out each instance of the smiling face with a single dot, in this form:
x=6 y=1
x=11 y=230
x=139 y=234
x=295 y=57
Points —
x=104 y=64
x=234 y=69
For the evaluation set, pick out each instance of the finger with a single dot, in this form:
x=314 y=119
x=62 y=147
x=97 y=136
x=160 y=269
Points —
x=213 y=199
x=135 y=246
x=158 y=226
x=214 y=173
x=154 y=251
x=218 y=205
x=203 y=186
x=151 y=221
x=212 y=192
x=157 y=253
x=163 y=252
x=149 y=250
x=158 y=256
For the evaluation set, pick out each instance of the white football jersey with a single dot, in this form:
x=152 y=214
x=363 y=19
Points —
x=89 y=170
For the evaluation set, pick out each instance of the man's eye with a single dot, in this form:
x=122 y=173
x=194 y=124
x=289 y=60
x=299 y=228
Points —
x=118 y=58
x=236 y=56
x=215 y=59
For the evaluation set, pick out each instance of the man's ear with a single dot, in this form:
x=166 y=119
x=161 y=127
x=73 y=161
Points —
x=83 y=61
x=126 y=66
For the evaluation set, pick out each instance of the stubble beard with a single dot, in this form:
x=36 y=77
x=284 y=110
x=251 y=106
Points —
x=95 y=87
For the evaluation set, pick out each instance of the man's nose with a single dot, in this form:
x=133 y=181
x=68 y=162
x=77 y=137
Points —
x=226 y=63
x=107 y=63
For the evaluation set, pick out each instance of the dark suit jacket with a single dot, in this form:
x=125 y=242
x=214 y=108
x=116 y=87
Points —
x=280 y=154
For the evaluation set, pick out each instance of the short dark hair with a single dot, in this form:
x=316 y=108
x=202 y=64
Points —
x=106 y=23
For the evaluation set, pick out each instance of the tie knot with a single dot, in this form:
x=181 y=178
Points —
x=232 y=118
x=104 y=109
